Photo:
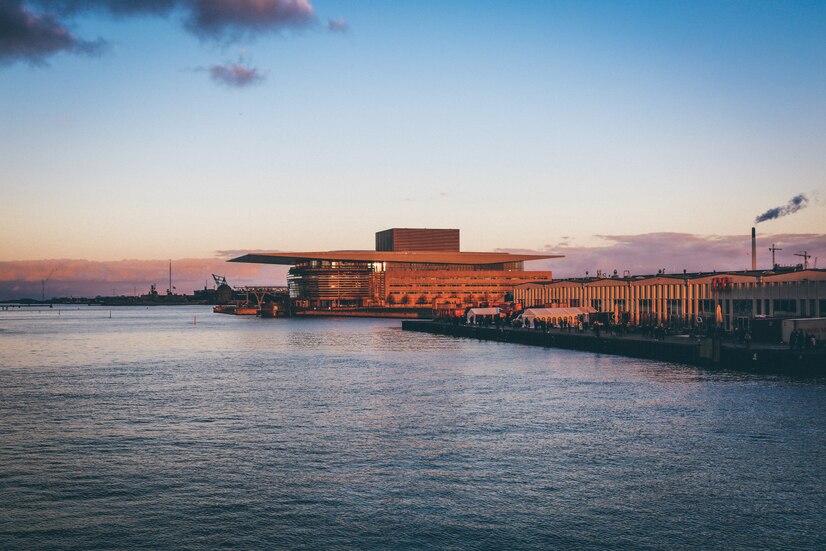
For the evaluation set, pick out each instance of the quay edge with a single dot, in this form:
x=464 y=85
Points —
x=706 y=353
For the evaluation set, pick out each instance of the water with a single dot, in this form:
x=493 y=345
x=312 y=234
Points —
x=147 y=431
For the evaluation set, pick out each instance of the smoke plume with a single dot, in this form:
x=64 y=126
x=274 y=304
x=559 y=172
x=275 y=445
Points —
x=795 y=204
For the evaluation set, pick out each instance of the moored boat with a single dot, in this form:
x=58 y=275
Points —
x=236 y=310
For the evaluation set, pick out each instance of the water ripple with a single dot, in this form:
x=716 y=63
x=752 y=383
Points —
x=144 y=432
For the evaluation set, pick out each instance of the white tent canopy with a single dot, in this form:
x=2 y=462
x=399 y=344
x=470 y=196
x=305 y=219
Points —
x=555 y=314
x=473 y=312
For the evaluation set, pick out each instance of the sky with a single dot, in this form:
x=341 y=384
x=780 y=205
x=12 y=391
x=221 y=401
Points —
x=612 y=132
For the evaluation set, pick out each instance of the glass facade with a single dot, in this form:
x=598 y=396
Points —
x=331 y=284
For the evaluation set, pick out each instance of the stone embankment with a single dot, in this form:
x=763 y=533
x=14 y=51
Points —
x=703 y=352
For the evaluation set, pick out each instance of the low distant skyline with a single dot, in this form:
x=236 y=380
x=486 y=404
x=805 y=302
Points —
x=638 y=254
x=160 y=129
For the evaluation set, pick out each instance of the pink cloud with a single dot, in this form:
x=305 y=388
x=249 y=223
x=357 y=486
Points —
x=235 y=75
x=21 y=279
x=674 y=252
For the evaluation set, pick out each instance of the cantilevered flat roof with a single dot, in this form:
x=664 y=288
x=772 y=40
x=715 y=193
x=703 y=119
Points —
x=409 y=257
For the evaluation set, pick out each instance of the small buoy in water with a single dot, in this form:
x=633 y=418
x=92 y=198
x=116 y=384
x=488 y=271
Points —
x=110 y=314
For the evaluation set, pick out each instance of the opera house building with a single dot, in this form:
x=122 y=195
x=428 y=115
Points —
x=411 y=267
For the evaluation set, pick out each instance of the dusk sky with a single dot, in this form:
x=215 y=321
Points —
x=148 y=130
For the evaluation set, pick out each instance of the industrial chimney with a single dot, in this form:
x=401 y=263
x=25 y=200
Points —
x=753 y=249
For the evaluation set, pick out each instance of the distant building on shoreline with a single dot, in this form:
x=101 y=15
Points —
x=683 y=299
x=410 y=267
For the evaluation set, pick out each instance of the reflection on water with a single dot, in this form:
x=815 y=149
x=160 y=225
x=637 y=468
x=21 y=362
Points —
x=175 y=427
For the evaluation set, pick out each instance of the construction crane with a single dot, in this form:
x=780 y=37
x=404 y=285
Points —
x=220 y=280
x=806 y=256
x=774 y=249
x=43 y=284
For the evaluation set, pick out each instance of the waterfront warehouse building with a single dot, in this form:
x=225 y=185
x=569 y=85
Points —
x=410 y=267
x=774 y=294
x=683 y=299
x=648 y=299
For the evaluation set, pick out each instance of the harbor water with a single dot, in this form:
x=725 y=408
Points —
x=172 y=427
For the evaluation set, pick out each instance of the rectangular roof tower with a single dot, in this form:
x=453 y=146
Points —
x=417 y=239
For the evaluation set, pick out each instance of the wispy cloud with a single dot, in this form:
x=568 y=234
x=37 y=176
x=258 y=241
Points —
x=338 y=25
x=26 y=35
x=235 y=75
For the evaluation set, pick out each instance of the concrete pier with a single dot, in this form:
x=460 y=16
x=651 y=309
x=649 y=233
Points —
x=708 y=353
